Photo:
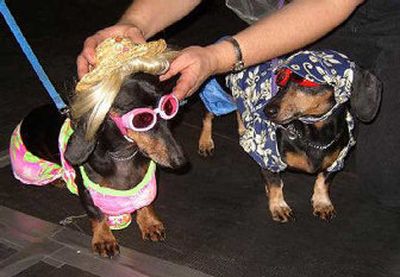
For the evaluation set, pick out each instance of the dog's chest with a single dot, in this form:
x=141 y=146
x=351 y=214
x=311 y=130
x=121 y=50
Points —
x=311 y=156
x=310 y=162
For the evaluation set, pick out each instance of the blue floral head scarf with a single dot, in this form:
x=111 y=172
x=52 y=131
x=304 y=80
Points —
x=324 y=67
x=253 y=88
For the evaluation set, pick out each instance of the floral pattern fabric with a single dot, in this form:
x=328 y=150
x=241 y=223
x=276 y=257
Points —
x=115 y=204
x=253 y=87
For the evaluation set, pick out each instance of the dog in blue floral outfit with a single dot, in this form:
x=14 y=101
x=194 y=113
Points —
x=296 y=113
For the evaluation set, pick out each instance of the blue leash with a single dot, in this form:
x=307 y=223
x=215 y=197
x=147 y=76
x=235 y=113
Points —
x=61 y=106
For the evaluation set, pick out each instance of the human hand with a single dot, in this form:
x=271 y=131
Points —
x=195 y=64
x=87 y=57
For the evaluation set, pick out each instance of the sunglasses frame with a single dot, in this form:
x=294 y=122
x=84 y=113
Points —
x=125 y=121
x=287 y=74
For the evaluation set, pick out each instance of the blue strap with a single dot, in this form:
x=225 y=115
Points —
x=61 y=106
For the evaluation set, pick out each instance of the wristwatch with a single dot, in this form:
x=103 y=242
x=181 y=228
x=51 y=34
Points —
x=239 y=64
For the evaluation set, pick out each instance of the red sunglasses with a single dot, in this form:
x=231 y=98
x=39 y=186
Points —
x=285 y=74
x=143 y=119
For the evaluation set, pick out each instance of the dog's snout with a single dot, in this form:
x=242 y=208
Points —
x=178 y=161
x=271 y=111
x=170 y=153
x=177 y=157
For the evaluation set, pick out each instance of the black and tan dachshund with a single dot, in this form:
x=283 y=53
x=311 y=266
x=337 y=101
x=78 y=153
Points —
x=310 y=148
x=110 y=160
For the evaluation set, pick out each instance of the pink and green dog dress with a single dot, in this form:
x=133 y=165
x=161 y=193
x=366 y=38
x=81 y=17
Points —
x=117 y=205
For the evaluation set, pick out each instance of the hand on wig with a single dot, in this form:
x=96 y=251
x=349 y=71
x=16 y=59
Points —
x=86 y=58
x=195 y=64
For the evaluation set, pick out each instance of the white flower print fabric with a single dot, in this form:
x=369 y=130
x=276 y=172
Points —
x=253 y=87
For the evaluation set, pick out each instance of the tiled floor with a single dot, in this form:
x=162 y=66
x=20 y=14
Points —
x=33 y=247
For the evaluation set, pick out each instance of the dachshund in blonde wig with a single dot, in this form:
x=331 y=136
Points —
x=107 y=150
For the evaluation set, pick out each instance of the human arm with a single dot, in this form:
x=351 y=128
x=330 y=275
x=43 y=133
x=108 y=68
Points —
x=142 y=19
x=294 y=26
x=152 y=16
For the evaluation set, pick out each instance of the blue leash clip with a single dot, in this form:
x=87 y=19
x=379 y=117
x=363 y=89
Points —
x=55 y=96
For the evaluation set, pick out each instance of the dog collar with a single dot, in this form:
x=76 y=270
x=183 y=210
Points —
x=115 y=157
x=294 y=134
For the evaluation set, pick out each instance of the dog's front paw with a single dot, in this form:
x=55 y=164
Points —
x=105 y=244
x=324 y=210
x=150 y=226
x=281 y=212
x=206 y=147
x=153 y=232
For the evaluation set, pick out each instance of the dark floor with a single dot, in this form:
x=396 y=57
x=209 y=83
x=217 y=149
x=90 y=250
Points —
x=30 y=246
x=216 y=213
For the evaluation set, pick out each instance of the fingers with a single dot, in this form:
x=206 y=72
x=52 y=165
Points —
x=89 y=47
x=135 y=35
x=182 y=88
x=194 y=66
x=187 y=79
x=87 y=56
x=176 y=66
x=82 y=66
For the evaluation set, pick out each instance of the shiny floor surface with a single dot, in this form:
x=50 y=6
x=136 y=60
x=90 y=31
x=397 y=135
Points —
x=32 y=247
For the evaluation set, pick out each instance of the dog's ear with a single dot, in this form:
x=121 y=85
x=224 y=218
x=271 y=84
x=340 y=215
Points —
x=78 y=148
x=366 y=95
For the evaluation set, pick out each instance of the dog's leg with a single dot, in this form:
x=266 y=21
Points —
x=103 y=241
x=206 y=143
x=320 y=200
x=278 y=207
x=241 y=127
x=149 y=224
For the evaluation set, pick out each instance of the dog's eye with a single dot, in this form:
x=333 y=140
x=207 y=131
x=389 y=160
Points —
x=142 y=120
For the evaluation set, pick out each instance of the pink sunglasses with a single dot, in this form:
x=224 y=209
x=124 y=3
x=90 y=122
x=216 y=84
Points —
x=143 y=119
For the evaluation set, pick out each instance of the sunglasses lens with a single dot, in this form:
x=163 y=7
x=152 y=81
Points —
x=170 y=107
x=296 y=78
x=142 y=120
x=283 y=77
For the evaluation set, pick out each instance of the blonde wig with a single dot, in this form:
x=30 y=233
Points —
x=116 y=58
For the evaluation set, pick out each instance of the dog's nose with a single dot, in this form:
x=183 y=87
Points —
x=177 y=157
x=179 y=162
x=271 y=111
